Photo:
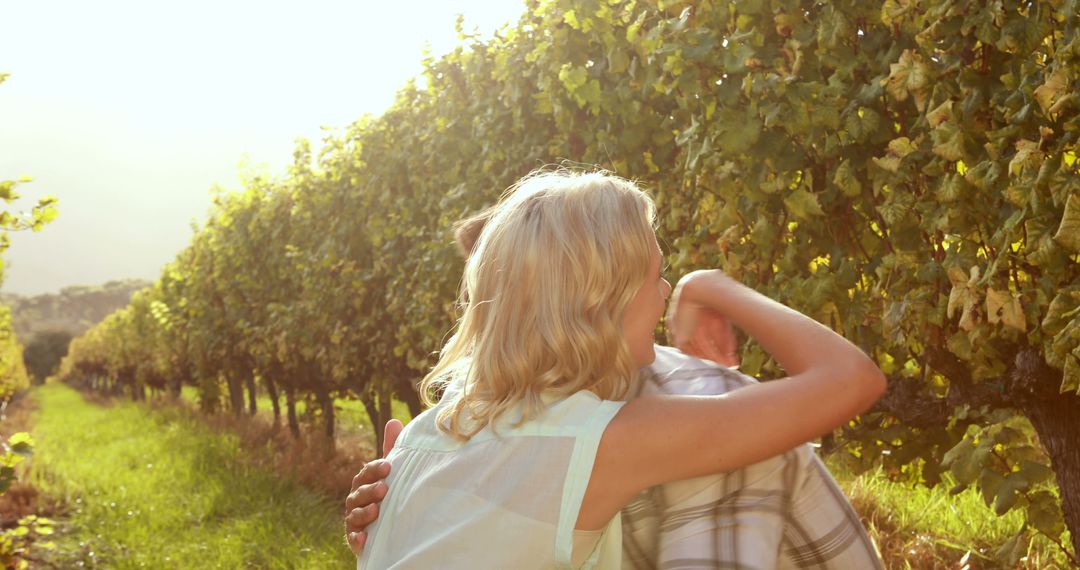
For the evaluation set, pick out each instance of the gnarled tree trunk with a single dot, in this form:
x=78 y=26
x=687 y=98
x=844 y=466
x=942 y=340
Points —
x=326 y=404
x=376 y=418
x=249 y=381
x=1034 y=388
x=271 y=390
x=406 y=392
x=290 y=406
x=236 y=395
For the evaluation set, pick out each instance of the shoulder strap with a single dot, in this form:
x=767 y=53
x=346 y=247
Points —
x=577 y=478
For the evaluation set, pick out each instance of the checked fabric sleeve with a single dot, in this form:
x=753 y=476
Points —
x=784 y=512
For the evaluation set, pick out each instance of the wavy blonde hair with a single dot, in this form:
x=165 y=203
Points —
x=556 y=264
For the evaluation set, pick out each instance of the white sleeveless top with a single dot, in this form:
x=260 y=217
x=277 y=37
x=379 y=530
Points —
x=507 y=498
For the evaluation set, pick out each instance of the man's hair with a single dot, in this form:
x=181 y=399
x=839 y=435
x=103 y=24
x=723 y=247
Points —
x=467 y=230
x=550 y=272
x=466 y=233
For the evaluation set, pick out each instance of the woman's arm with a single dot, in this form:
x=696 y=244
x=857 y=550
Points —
x=659 y=439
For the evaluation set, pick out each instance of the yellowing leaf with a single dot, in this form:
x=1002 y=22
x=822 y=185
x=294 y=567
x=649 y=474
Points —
x=1018 y=194
x=967 y=317
x=1068 y=233
x=1006 y=309
x=1063 y=102
x=890 y=163
x=1047 y=93
x=901 y=147
x=956 y=299
x=1027 y=155
x=995 y=300
x=909 y=76
x=948 y=142
x=963 y=295
x=940 y=114
x=1012 y=315
x=957 y=276
x=898 y=149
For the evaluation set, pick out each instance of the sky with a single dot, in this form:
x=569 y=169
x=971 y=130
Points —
x=130 y=111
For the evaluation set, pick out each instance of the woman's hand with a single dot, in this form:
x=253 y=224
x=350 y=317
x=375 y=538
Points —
x=698 y=330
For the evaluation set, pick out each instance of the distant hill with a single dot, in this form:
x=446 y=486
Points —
x=74 y=309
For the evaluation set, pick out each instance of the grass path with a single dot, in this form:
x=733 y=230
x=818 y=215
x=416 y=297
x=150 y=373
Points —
x=155 y=488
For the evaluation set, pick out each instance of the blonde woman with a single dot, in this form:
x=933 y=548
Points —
x=531 y=452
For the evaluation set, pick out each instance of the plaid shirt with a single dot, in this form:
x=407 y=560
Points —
x=784 y=512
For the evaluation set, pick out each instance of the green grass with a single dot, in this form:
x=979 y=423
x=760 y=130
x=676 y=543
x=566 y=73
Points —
x=351 y=414
x=919 y=527
x=156 y=488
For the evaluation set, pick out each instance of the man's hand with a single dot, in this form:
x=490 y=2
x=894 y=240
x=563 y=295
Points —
x=368 y=490
x=698 y=330
x=714 y=339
